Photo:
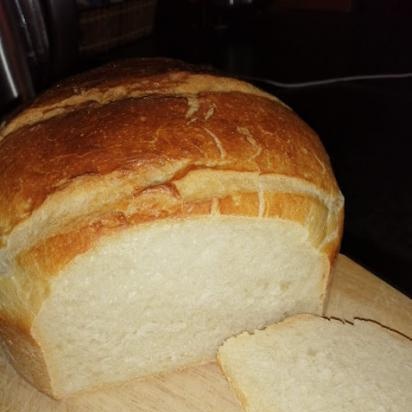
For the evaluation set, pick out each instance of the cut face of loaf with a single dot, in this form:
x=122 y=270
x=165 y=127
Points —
x=166 y=295
x=147 y=217
x=308 y=363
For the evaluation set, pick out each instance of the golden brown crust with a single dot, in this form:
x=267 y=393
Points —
x=123 y=79
x=113 y=74
x=244 y=133
x=85 y=87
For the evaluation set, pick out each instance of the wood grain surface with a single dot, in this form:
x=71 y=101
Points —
x=355 y=292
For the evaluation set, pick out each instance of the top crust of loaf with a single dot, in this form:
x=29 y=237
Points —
x=143 y=116
x=123 y=79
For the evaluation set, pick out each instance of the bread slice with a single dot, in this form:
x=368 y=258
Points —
x=309 y=363
x=149 y=211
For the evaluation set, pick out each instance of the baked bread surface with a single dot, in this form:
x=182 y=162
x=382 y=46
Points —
x=141 y=144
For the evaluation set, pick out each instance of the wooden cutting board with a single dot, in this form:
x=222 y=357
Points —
x=355 y=292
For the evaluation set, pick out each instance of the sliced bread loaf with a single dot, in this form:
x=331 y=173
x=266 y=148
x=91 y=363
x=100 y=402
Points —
x=148 y=212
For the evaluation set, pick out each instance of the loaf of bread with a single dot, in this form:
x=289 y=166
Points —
x=148 y=211
x=308 y=363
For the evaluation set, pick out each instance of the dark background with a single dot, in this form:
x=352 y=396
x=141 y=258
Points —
x=365 y=125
